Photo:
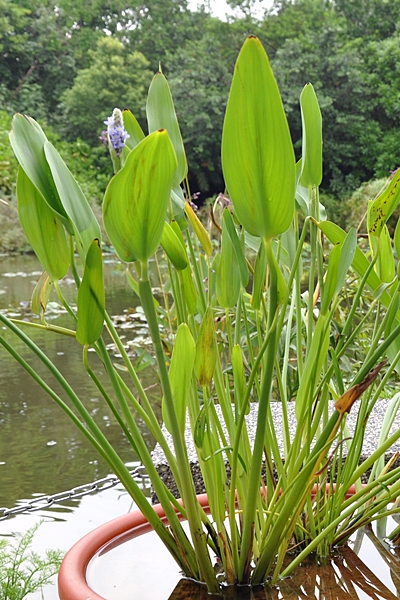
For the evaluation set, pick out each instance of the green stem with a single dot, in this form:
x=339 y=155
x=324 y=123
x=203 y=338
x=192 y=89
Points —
x=291 y=503
x=331 y=527
x=63 y=301
x=187 y=485
x=46 y=327
x=145 y=457
x=91 y=431
x=72 y=262
x=255 y=467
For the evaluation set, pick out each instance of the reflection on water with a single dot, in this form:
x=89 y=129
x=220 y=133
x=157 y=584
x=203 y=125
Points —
x=41 y=452
x=345 y=577
x=365 y=569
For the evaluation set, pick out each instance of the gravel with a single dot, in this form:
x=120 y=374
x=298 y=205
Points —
x=371 y=438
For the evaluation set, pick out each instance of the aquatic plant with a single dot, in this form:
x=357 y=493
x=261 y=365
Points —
x=251 y=314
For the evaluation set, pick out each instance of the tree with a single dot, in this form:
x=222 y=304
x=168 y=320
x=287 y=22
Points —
x=348 y=128
x=355 y=77
x=116 y=77
x=200 y=74
x=382 y=75
x=295 y=19
x=369 y=19
x=36 y=65
x=158 y=28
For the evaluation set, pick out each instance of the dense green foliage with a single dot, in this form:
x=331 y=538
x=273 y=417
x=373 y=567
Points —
x=87 y=102
x=68 y=64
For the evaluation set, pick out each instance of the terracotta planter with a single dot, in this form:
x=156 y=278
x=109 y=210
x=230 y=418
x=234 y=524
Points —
x=72 y=583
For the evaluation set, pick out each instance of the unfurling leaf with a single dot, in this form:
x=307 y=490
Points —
x=206 y=350
x=91 y=299
x=259 y=277
x=189 y=289
x=240 y=256
x=239 y=379
x=340 y=259
x=173 y=248
x=41 y=294
x=180 y=375
x=199 y=230
x=228 y=275
x=386 y=268
x=200 y=428
x=311 y=164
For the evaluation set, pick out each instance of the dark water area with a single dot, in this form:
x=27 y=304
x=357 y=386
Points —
x=41 y=452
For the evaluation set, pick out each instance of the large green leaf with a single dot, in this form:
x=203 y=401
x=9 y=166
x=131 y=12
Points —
x=180 y=374
x=42 y=228
x=161 y=115
x=28 y=141
x=257 y=152
x=311 y=174
x=136 y=199
x=86 y=227
x=91 y=298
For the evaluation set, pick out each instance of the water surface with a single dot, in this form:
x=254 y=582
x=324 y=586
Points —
x=41 y=452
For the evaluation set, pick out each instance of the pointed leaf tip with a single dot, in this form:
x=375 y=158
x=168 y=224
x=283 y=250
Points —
x=257 y=151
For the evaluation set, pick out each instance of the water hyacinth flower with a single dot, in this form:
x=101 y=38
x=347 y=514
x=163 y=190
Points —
x=116 y=132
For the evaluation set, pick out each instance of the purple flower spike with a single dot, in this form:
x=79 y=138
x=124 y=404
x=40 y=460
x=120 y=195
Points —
x=116 y=132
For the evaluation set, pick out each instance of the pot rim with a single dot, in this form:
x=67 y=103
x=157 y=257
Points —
x=72 y=584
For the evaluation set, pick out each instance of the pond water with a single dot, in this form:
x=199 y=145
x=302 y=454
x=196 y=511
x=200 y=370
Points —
x=41 y=453
x=40 y=450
